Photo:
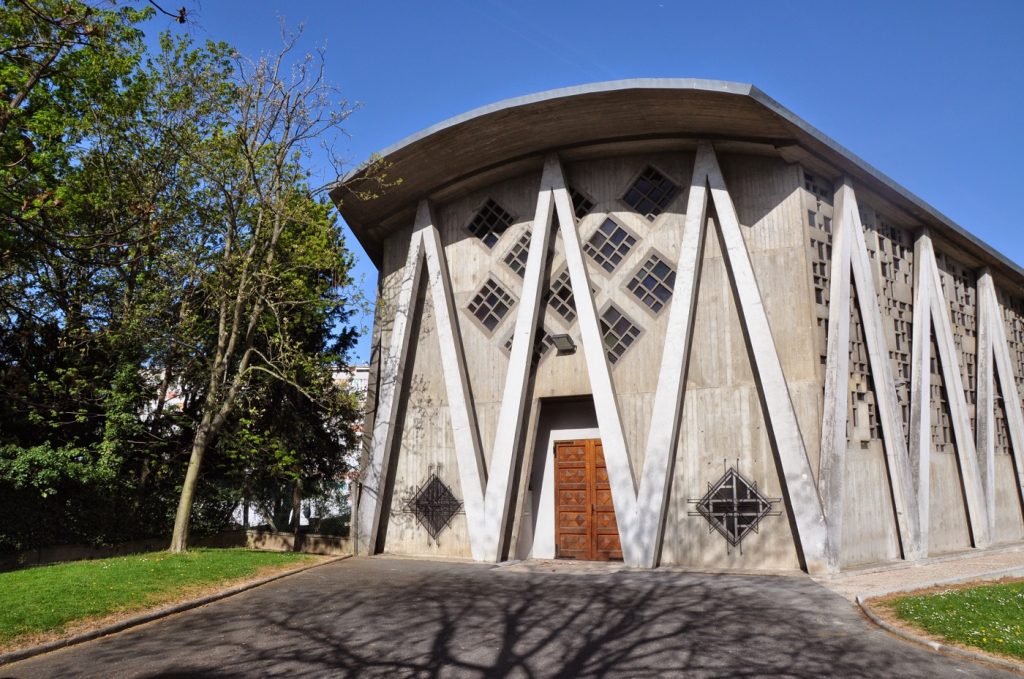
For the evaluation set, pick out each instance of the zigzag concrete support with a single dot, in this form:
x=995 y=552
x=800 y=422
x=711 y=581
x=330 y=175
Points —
x=1002 y=367
x=640 y=513
x=800 y=489
x=663 y=435
x=837 y=379
x=896 y=457
x=967 y=455
x=920 y=394
x=985 y=434
x=374 y=477
x=487 y=545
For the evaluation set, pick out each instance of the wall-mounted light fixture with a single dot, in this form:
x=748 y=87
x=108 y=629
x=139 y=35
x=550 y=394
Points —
x=563 y=344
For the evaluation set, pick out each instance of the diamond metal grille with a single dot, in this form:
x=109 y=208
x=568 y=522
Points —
x=651 y=193
x=734 y=507
x=434 y=506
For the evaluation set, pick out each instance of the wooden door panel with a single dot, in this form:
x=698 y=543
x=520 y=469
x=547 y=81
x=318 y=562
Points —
x=585 y=526
x=572 y=493
x=606 y=529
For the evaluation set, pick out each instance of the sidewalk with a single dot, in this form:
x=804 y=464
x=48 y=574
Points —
x=990 y=564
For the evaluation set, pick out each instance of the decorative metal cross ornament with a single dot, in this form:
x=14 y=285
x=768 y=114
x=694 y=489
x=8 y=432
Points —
x=734 y=507
x=434 y=505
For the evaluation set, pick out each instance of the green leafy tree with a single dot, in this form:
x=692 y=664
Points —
x=169 y=283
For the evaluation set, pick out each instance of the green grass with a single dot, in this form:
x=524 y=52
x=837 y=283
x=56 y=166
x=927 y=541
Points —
x=989 y=617
x=48 y=598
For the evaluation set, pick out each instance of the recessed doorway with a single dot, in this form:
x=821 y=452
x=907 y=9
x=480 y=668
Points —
x=585 y=526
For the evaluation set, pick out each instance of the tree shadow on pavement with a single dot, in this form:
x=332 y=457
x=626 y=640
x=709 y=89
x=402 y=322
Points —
x=404 y=618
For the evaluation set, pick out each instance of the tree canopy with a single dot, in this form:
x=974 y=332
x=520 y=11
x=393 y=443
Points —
x=174 y=296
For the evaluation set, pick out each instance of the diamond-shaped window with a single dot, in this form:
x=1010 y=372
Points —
x=734 y=507
x=609 y=244
x=581 y=205
x=434 y=505
x=653 y=283
x=541 y=346
x=619 y=332
x=490 y=222
x=515 y=258
x=560 y=297
x=491 y=304
x=651 y=193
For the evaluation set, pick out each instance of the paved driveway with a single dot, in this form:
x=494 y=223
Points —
x=406 y=618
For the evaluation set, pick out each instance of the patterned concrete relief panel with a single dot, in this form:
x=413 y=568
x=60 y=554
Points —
x=817 y=202
x=1009 y=524
x=1013 y=320
x=1012 y=317
x=892 y=249
x=960 y=294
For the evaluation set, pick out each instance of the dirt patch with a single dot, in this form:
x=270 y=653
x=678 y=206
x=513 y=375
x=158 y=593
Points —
x=185 y=594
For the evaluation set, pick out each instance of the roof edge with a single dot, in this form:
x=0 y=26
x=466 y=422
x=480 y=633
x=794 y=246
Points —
x=725 y=86
x=698 y=84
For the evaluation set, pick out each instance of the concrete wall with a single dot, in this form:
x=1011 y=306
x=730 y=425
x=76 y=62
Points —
x=787 y=224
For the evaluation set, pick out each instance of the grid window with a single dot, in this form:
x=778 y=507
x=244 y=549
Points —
x=651 y=193
x=560 y=297
x=609 y=244
x=541 y=346
x=653 y=283
x=619 y=332
x=490 y=222
x=581 y=205
x=491 y=304
x=515 y=258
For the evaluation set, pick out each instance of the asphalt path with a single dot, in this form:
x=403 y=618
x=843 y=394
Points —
x=386 y=617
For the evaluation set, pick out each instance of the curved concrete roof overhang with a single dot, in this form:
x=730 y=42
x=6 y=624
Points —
x=512 y=137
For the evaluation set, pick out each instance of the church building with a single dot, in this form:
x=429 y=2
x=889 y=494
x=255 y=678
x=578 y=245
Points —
x=668 y=322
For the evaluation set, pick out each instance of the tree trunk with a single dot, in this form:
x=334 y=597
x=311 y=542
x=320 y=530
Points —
x=296 y=513
x=179 y=538
x=245 y=510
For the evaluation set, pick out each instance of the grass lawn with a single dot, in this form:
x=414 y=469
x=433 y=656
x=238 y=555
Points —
x=47 y=599
x=989 y=617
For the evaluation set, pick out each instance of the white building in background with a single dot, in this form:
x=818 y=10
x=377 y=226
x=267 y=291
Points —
x=356 y=379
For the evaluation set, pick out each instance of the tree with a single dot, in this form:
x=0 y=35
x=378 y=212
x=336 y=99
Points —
x=251 y=286
x=144 y=200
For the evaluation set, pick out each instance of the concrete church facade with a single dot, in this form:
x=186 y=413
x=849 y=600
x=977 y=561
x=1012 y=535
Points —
x=668 y=321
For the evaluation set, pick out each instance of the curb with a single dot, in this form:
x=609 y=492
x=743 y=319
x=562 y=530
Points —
x=989 y=576
x=143 y=618
x=936 y=646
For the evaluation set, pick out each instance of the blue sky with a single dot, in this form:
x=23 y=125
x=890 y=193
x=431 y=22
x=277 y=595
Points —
x=930 y=93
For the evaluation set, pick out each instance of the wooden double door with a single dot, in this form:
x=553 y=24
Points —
x=585 y=526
